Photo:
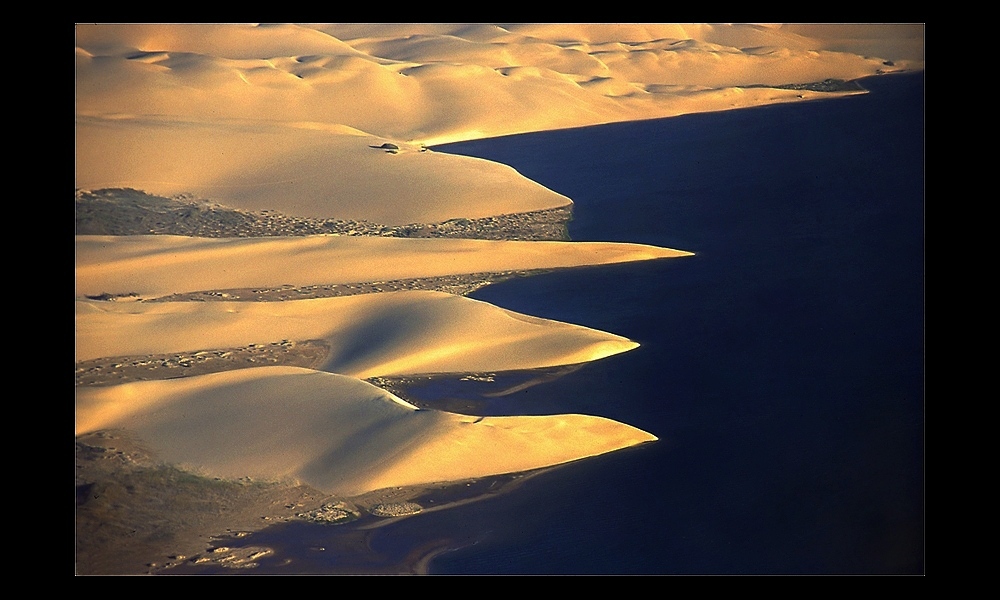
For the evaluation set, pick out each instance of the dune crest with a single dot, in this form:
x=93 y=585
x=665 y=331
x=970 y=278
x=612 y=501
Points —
x=139 y=88
x=369 y=335
x=338 y=122
x=161 y=264
x=335 y=433
x=306 y=169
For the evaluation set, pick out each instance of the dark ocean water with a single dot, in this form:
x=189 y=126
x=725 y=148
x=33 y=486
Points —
x=782 y=366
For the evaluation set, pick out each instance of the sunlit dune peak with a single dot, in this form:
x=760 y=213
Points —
x=161 y=265
x=335 y=433
x=366 y=335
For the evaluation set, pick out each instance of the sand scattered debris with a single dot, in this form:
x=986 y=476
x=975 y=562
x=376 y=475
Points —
x=124 y=369
x=135 y=514
x=233 y=558
x=331 y=513
x=459 y=285
x=396 y=509
x=127 y=211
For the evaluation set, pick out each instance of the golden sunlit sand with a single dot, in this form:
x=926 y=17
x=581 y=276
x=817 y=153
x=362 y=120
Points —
x=370 y=335
x=334 y=433
x=154 y=266
x=337 y=122
x=282 y=116
x=302 y=171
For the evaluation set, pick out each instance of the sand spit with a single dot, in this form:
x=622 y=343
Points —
x=334 y=433
x=155 y=266
x=369 y=335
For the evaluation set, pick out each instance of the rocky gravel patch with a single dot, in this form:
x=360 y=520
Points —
x=126 y=211
x=460 y=285
x=124 y=369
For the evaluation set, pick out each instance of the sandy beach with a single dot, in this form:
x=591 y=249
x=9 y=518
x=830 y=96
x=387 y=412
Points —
x=264 y=229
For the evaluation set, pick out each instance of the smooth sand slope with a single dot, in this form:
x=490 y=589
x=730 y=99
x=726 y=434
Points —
x=335 y=433
x=161 y=265
x=333 y=122
x=302 y=171
x=280 y=116
x=370 y=335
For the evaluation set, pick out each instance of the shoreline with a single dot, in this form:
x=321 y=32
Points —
x=137 y=514
x=109 y=460
x=124 y=528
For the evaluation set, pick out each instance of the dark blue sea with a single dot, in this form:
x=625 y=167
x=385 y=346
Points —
x=781 y=367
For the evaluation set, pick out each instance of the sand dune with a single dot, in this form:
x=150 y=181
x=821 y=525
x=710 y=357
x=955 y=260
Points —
x=234 y=41
x=902 y=42
x=369 y=335
x=335 y=433
x=305 y=170
x=162 y=265
x=185 y=108
x=292 y=118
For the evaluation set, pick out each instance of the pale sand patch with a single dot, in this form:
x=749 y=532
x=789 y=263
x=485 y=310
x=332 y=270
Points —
x=370 y=335
x=161 y=265
x=332 y=432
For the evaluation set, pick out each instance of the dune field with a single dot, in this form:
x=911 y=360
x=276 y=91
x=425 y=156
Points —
x=338 y=122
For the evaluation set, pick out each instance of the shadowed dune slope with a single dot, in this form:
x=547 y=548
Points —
x=304 y=171
x=335 y=433
x=262 y=116
x=369 y=335
x=334 y=122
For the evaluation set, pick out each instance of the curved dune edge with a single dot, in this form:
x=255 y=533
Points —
x=177 y=108
x=161 y=265
x=370 y=335
x=302 y=172
x=335 y=433
x=291 y=118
